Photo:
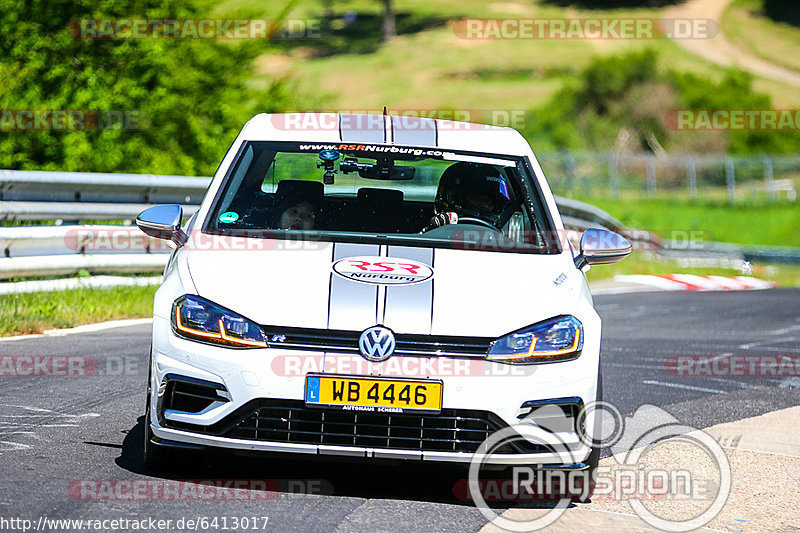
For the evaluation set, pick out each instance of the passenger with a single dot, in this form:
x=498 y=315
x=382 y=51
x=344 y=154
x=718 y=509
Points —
x=296 y=213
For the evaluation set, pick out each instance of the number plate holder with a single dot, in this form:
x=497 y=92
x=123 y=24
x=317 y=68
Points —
x=374 y=394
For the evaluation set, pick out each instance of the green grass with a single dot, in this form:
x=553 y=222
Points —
x=38 y=311
x=427 y=67
x=768 y=224
x=745 y=25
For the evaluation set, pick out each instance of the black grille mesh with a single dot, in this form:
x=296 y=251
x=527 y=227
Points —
x=452 y=430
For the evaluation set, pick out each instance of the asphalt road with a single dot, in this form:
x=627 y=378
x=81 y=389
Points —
x=57 y=431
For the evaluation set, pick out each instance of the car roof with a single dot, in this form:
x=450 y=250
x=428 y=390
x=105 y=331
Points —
x=385 y=130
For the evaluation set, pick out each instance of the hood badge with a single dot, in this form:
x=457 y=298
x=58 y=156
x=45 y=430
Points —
x=376 y=344
x=382 y=270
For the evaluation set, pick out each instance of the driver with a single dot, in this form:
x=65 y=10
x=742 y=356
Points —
x=469 y=190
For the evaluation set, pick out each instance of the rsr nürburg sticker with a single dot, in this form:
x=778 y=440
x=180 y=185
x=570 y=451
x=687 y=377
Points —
x=382 y=270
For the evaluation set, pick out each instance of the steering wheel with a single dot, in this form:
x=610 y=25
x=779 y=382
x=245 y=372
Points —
x=479 y=222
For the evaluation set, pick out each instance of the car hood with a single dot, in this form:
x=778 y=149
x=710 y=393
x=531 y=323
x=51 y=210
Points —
x=469 y=293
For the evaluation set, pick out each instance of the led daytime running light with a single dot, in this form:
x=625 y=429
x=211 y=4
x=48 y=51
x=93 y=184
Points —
x=222 y=335
x=531 y=353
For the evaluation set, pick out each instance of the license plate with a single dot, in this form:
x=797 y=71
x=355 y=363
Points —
x=373 y=394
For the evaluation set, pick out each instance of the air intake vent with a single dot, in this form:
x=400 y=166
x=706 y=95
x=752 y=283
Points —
x=190 y=395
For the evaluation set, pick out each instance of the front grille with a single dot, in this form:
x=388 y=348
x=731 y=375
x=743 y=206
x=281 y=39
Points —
x=347 y=342
x=453 y=430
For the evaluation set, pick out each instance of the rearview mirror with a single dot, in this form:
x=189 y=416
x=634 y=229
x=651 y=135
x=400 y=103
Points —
x=601 y=247
x=384 y=169
x=163 y=222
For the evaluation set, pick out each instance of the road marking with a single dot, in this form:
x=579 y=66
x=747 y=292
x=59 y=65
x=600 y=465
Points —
x=631 y=365
x=12 y=428
x=690 y=282
x=731 y=382
x=681 y=386
x=781 y=331
x=790 y=382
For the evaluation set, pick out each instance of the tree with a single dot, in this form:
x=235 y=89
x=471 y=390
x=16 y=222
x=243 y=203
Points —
x=189 y=96
x=626 y=101
x=389 y=28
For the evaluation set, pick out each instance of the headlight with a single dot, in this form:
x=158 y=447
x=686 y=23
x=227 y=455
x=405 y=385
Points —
x=198 y=319
x=557 y=339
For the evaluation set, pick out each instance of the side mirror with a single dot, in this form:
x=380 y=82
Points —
x=163 y=222
x=601 y=247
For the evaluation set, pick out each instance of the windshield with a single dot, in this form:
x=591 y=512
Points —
x=381 y=194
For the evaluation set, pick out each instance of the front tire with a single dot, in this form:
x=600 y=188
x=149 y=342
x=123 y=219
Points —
x=593 y=461
x=156 y=458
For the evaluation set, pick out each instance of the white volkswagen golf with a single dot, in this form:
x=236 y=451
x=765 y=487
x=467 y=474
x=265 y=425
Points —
x=375 y=287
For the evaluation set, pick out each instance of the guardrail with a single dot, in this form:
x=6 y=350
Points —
x=76 y=211
x=77 y=196
x=52 y=250
x=37 y=186
x=721 y=177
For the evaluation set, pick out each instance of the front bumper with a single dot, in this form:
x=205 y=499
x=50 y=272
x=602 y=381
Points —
x=254 y=390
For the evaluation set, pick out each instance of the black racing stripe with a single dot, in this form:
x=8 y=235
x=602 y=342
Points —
x=385 y=296
x=377 y=301
x=387 y=250
x=433 y=287
x=330 y=284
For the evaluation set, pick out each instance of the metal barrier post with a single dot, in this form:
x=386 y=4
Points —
x=768 y=181
x=613 y=174
x=730 y=180
x=691 y=175
x=651 y=175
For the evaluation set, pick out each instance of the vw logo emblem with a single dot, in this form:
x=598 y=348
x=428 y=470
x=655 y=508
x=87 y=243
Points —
x=376 y=344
